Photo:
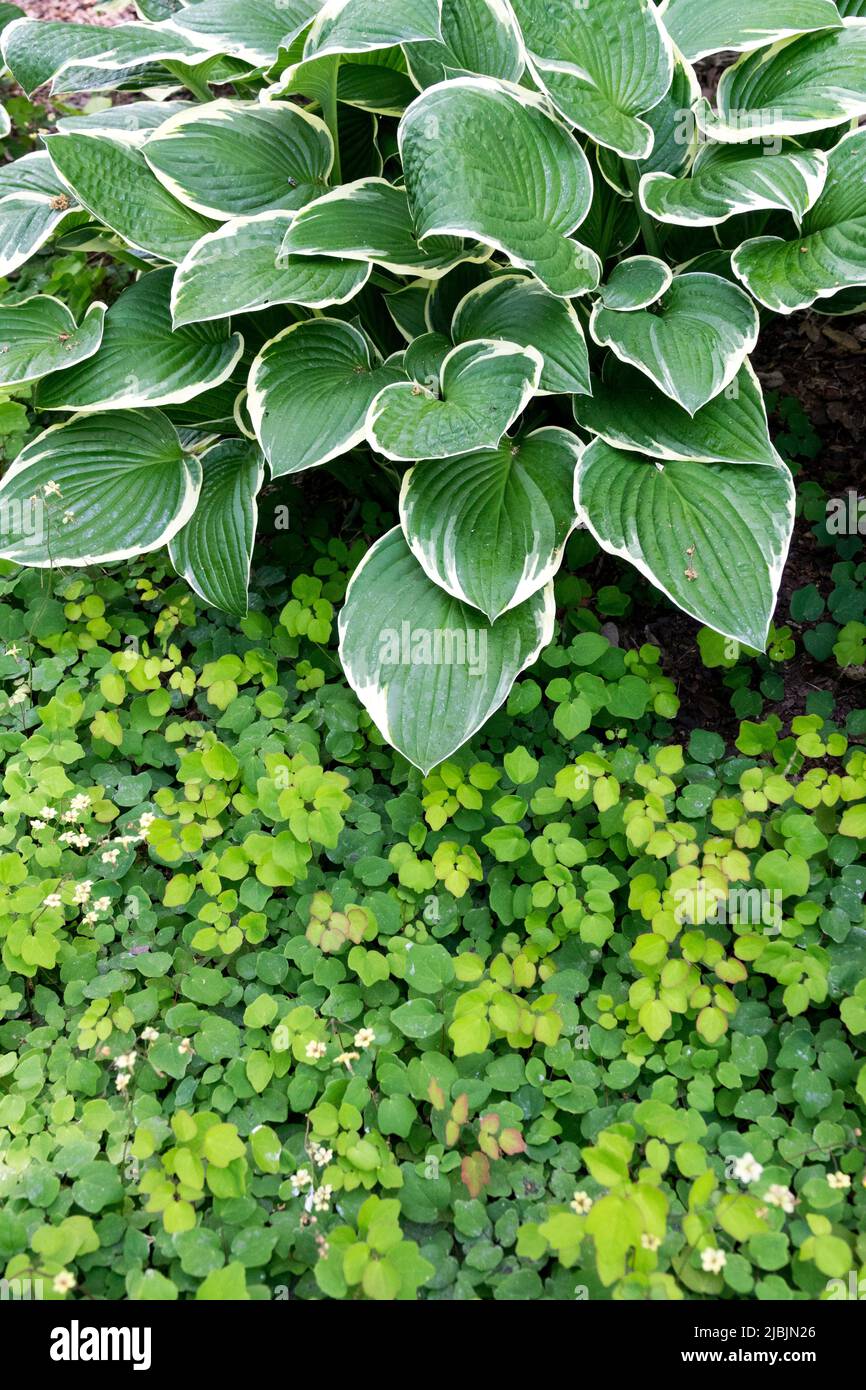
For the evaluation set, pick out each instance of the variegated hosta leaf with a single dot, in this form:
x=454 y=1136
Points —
x=691 y=343
x=142 y=360
x=478 y=36
x=370 y=220
x=518 y=309
x=701 y=27
x=241 y=267
x=33 y=206
x=252 y=32
x=375 y=82
x=5 y=123
x=236 y=158
x=636 y=283
x=491 y=526
x=829 y=254
x=631 y=413
x=796 y=85
x=483 y=387
x=309 y=392
x=360 y=26
x=40 y=335
x=133 y=122
x=97 y=488
x=214 y=550
x=428 y=669
x=714 y=537
x=113 y=180
x=603 y=64
x=37 y=50
x=729 y=179
x=467 y=146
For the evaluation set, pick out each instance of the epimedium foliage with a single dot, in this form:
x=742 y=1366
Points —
x=505 y=253
x=580 y=1014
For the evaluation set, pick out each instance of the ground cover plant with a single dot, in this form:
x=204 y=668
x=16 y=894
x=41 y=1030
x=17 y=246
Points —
x=579 y=1014
x=545 y=983
x=444 y=242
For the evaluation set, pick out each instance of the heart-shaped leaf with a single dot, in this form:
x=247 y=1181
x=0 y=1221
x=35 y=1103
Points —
x=800 y=84
x=636 y=283
x=729 y=179
x=711 y=26
x=691 y=343
x=241 y=267
x=466 y=147
x=33 y=206
x=360 y=26
x=214 y=550
x=113 y=180
x=829 y=254
x=310 y=390
x=603 y=63
x=237 y=158
x=370 y=220
x=483 y=387
x=253 y=33
x=631 y=413
x=714 y=537
x=490 y=527
x=478 y=36
x=39 y=335
x=97 y=488
x=430 y=680
x=520 y=310
x=142 y=360
x=37 y=51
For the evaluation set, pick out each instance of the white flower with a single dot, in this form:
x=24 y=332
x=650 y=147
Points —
x=779 y=1196
x=322 y=1197
x=841 y=1181
x=122 y=1080
x=67 y=517
x=89 y=918
x=63 y=1281
x=581 y=1203
x=80 y=802
x=185 y=1047
x=125 y=1062
x=48 y=813
x=365 y=1037
x=300 y=1180
x=82 y=841
x=315 y=1050
x=13 y=651
x=102 y=904
x=149 y=1035
x=109 y=856
x=748 y=1169
x=147 y=820
x=69 y=816
x=320 y=1155
x=713 y=1261
x=52 y=489
x=52 y=900
x=650 y=1242
x=82 y=890
x=347 y=1058
x=39 y=825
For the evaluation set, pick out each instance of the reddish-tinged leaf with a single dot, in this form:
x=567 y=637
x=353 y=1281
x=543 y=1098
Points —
x=512 y=1141
x=490 y=1124
x=460 y=1109
x=436 y=1094
x=489 y=1145
x=475 y=1172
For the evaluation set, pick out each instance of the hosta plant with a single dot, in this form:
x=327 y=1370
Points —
x=505 y=255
